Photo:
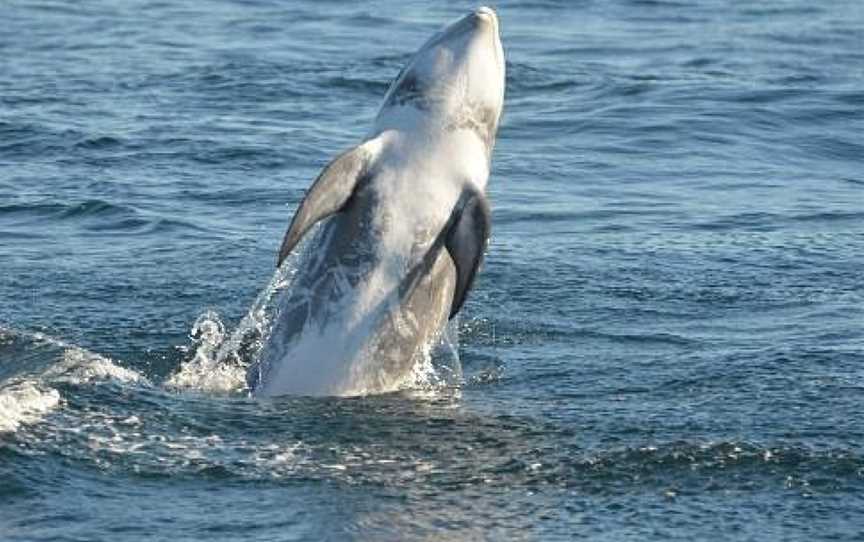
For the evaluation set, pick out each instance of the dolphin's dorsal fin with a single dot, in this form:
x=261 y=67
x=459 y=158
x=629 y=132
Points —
x=329 y=194
x=466 y=238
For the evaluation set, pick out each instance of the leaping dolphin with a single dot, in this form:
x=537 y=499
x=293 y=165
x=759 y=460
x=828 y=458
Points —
x=407 y=223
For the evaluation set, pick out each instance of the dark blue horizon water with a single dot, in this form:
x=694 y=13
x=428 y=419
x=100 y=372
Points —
x=665 y=343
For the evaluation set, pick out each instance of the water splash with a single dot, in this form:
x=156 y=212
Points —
x=437 y=366
x=220 y=361
x=203 y=372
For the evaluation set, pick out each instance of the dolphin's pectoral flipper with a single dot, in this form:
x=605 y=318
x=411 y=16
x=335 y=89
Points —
x=467 y=235
x=330 y=192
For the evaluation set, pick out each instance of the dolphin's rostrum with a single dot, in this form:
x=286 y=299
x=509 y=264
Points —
x=406 y=226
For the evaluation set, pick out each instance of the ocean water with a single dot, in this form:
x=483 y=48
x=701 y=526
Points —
x=666 y=341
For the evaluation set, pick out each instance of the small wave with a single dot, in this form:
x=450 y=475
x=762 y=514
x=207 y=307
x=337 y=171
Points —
x=236 y=82
x=49 y=360
x=79 y=366
x=371 y=87
x=99 y=142
x=830 y=216
x=367 y=19
x=67 y=210
x=523 y=77
x=767 y=222
x=29 y=139
x=257 y=157
x=95 y=216
x=41 y=209
x=41 y=364
x=95 y=207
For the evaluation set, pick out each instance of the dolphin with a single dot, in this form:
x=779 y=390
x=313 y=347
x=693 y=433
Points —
x=404 y=223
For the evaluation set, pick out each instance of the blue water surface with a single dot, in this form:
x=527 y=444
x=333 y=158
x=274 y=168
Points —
x=665 y=343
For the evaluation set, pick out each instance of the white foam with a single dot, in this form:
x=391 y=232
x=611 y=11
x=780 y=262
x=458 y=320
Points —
x=25 y=402
x=206 y=376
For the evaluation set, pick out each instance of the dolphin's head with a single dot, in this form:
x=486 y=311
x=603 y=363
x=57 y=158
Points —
x=457 y=74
